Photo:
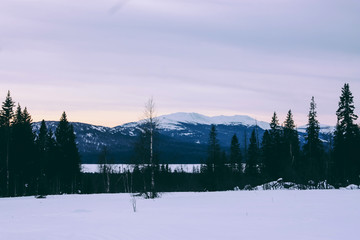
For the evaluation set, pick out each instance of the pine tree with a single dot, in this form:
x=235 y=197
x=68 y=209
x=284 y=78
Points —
x=213 y=160
x=42 y=151
x=213 y=150
x=24 y=162
x=235 y=155
x=7 y=112
x=41 y=138
x=313 y=169
x=274 y=124
x=65 y=139
x=346 y=139
x=53 y=163
x=6 y=116
x=291 y=146
x=251 y=170
x=16 y=161
x=274 y=158
x=266 y=157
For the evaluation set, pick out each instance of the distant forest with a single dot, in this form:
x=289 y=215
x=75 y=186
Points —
x=49 y=162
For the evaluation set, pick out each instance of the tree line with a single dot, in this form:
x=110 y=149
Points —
x=36 y=164
x=48 y=162
x=280 y=155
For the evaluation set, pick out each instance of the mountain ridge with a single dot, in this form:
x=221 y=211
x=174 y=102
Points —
x=183 y=136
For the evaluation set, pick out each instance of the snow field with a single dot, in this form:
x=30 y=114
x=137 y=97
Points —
x=313 y=214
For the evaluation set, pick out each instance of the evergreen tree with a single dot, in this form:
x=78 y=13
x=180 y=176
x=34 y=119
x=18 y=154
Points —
x=274 y=159
x=43 y=161
x=291 y=145
x=6 y=117
x=314 y=167
x=235 y=155
x=213 y=160
x=213 y=150
x=251 y=170
x=346 y=137
x=23 y=153
x=16 y=162
x=23 y=156
x=274 y=124
x=42 y=138
x=70 y=167
x=7 y=112
x=52 y=163
x=266 y=157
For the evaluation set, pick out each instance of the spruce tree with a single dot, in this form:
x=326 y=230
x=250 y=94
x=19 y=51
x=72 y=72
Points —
x=7 y=112
x=266 y=166
x=291 y=146
x=53 y=163
x=274 y=162
x=16 y=163
x=23 y=160
x=41 y=138
x=213 y=150
x=70 y=162
x=314 y=167
x=6 y=117
x=346 y=137
x=42 y=149
x=251 y=170
x=213 y=160
x=274 y=124
x=235 y=155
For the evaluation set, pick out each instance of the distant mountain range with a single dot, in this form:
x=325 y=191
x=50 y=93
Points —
x=183 y=136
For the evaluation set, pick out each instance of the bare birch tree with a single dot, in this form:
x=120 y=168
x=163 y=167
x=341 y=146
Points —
x=150 y=126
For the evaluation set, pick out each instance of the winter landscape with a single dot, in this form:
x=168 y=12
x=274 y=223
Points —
x=312 y=214
x=179 y=119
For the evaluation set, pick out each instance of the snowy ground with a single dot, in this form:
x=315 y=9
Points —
x=94 y=168
x=316 y=214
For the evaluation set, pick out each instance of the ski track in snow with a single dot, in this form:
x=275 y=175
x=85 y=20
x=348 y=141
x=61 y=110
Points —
x=314 y=214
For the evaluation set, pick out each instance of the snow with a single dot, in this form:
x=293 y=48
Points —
x=172 y=120
x=323 y=129
x=310 y=215
x=351 y=187
x=281 y=185
x=94 y=168
x=89 y=135
x=99 y=128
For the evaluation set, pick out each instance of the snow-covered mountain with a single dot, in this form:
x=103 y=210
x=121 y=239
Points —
x=183 y=136
x=170 y=121
x=325 y=129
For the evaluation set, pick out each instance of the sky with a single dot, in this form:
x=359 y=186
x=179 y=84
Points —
x=101 y=60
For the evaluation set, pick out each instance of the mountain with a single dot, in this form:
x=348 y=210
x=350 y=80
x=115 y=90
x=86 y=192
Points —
x=182 y=137
x=170 y=120
x=324 y=129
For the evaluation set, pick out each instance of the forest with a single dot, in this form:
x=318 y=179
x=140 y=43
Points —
x=45 y=162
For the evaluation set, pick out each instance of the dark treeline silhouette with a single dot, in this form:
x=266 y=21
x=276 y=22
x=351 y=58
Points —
x=49 y=163
x=36 y=164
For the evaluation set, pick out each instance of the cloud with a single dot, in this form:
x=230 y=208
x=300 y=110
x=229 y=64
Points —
x=213 y=57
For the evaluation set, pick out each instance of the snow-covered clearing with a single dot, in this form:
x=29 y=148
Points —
x=311 y=214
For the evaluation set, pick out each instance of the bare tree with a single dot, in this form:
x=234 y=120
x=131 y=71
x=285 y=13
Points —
x=150 y=125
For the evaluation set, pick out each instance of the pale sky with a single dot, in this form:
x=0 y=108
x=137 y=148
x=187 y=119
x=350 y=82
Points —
x=101 y=60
